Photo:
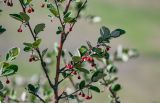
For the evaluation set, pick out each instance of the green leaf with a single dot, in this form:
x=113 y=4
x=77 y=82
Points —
x=116 y=33
x=112 y=68
x=83 y=50
x=76 y=59
x=116 y=87
x=82 y=84
x=97 y=76
x=69 y=20
x=94 y=88
x=83 y=70
x=5 y=64
x=58 y=32
x=105 y=32
x=44 y=52
x=106 y=55
x=13 y=53
x=28 y=44
x=37 y=43
x=60 y=29
x=12 y=69
x=27 y=49
x=31 y=88
x=77 y=0
x=103 y=40
x=17 y=17
x=53 y=10
x=71 y=96
x=24 y=16
x=38 y=28
x=1 y=85
x=78 y=65
x=67 y=14
x=2 y=30
x=97 y=52
x=28 y=1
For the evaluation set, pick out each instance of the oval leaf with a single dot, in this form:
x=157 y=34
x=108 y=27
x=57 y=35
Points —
x=82 y=84
x=94 y=88
x=115 y=87
x=17 y=17
x=83 y=50
x=116 y=33
x=12 y=69
x=97 y=75
x=105 y=32
x=1 y=85
x=38 y=28
x=83 y=70
x=24 y=16
x=37 y=43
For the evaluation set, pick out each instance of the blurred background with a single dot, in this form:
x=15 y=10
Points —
x=141 y=20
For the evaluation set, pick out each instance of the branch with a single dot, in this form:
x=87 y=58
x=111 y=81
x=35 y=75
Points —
x=38 y=51
x=78 y=13
x=38 y=97
x=114 y=95
x=74 y=91
x=67 y=7
x=59 y=15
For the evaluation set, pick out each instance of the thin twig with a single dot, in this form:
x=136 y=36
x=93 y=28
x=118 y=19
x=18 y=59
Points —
x=38 y=51
x=38 y=97
x=77 y=90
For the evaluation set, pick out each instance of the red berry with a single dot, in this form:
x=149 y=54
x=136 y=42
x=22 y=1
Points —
x=20 y=29
x=108 y=48
x=80 y=93
x=7 y=81
x=74 y=72
x=70 y=29
x=42 y=5
x=30 y=59
x=90 y=59
x=79 y=77
x=87 y=97
x=29 y=10
x=83 y=95
x=84 y=58
x=69 y=66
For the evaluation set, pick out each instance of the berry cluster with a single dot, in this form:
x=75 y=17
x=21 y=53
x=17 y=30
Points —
x=70 y=67
x=87 y=97
x=33 y=58
x=8 y=2
x=89 y=59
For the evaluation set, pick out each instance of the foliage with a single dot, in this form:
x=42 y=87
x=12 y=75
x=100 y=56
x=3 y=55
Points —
x=84 y=66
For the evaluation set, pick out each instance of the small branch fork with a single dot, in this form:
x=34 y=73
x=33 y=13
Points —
x=62 y=40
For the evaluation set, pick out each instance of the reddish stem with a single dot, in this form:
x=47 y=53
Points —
x=58 y=68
